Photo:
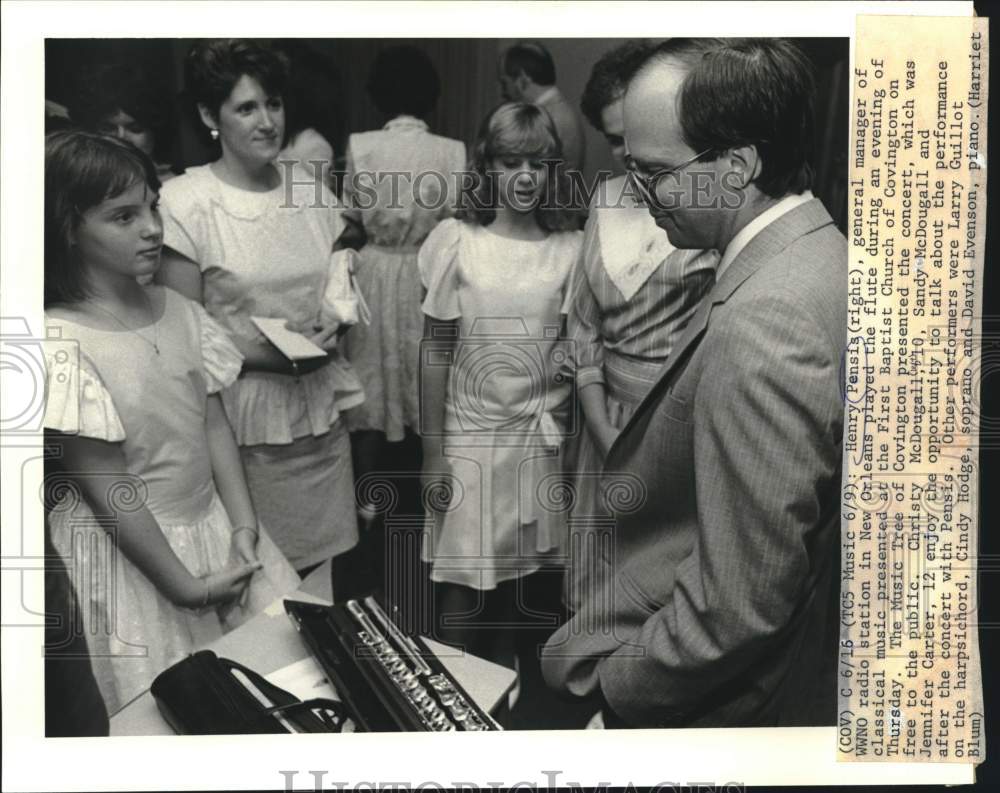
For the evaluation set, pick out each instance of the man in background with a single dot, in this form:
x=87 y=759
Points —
x=527 y=74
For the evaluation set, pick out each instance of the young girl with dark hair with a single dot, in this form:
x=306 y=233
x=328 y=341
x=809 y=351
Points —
x=149 y=508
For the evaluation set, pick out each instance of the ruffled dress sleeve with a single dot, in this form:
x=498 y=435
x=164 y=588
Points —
x=76 y=399
x=438 y=264
x=182 y=208
x=221 y=360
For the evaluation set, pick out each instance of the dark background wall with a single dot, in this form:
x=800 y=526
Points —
x=468 y=70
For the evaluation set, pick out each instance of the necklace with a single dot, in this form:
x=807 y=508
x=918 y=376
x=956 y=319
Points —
x=155 y=343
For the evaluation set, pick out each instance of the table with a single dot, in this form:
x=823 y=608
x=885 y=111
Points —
x=269 y=642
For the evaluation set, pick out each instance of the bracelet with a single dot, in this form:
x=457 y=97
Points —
x=238 y=529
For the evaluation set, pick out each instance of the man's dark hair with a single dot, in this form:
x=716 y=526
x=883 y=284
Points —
x=214 y=66
x=609 y=78
x=531 y=58
x=742 y=92
x=404 y=81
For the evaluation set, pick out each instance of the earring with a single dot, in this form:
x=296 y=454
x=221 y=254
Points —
x=214 y=133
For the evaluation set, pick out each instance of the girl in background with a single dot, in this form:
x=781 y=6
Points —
x=124 y=100
x=492 y=403
x=404 y=86
x=150 y=510
x=632 y=295
x=244 y=240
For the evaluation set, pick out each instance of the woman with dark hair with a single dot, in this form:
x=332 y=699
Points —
x=249 y=241
x=124 y=100
x=632 y=295
x=397 y=213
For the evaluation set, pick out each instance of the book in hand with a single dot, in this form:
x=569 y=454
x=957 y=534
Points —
x=294 y=346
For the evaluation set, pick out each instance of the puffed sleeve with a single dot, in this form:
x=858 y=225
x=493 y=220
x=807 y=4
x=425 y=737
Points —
x=221 y=360
x=438 y=264
x=308 y=148
x=76 y=399
x=183 y=214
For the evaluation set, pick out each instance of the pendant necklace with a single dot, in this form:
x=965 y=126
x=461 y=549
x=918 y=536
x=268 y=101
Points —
x=155 y=343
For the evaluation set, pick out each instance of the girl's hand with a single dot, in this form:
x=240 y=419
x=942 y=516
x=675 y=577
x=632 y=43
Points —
x=225 y=585
x=434 y=476
x=604 y=436
x=244 y=544
x=243 y=549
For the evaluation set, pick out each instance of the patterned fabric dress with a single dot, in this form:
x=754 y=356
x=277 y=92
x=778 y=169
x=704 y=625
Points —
x=401 y=182
x=632 y=295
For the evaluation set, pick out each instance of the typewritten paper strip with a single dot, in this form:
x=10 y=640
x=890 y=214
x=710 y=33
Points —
x=909 y=674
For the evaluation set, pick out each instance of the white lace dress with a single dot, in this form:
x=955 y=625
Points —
x=406 y=178
x=112 y=386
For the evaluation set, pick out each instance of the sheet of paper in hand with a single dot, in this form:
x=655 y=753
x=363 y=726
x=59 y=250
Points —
x=292 y=345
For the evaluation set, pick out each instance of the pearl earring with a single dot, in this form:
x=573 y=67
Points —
x=214 y=133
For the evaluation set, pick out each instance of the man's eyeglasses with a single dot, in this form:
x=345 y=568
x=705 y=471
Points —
x=648 y=182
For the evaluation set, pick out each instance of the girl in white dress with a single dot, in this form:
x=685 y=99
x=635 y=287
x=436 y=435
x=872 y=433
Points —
x=492 y=403
x=149 y=507
x=397 y=215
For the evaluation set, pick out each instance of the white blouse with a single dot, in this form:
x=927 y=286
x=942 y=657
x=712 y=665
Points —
x=264 y=254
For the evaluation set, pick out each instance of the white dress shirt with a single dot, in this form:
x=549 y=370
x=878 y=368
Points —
x=757 y=225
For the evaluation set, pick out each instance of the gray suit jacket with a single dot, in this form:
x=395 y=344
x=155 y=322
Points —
x=719 y=607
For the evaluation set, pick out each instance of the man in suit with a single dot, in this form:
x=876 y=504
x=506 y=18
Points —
x=718 y=608
x=527 y=74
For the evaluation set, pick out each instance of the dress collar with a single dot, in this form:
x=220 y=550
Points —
x=249 y=204
x=406 y=122
x=549 y=96
x=632 y=245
